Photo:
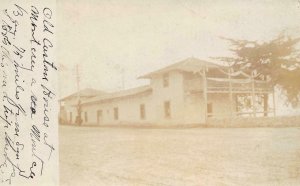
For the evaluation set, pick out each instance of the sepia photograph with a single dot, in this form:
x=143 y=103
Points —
x=178 y=92
x=29 y=94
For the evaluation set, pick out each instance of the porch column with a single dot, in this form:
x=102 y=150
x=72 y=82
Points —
x=230 y=92
x=205 y=93
x=253 y=94
x=274 y=102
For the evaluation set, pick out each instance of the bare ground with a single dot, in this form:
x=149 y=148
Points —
x=171 y=157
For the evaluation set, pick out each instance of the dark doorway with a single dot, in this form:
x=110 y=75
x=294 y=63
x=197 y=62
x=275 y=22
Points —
x=99 y=117
x=209 y=109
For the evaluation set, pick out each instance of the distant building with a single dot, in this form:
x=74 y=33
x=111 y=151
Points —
x=69 y=104
x=188 y=92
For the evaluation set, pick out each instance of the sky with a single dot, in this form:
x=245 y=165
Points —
x=113 y=42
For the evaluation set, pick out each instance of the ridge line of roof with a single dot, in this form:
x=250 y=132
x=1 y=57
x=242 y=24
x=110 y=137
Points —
x=121 y=93
x=181 y=63
x=95 y=91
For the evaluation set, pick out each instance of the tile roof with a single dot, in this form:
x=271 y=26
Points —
x=188 y=65
x=89 y=92
x=119 y=94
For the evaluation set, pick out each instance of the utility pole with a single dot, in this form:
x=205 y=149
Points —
x=253 y=92
x=230 y=94
x=205 y=93
x=77 y=80
x=78 y=119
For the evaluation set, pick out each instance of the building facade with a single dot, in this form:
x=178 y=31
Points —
x=188 y=92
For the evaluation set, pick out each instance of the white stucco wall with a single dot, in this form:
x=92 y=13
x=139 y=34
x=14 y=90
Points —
x=195 y=104
x=129 y=107
x=221 y=104
x=128 y=111
x=194 y=108
x=186 y=107
x=70 y=108
x=174 y=93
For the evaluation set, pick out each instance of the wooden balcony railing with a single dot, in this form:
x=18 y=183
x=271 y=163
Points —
x=235 y=86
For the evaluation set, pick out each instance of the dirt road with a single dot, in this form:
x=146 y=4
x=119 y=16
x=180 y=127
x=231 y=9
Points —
x=171 y=157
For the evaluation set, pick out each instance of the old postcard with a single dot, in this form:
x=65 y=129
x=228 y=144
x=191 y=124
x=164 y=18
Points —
x=179 y=92
x=28 y=94
x=160 y=93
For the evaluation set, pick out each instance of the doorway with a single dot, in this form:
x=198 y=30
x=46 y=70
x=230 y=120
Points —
x=209 y=109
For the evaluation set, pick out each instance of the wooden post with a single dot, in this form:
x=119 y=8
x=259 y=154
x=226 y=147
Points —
x=205 y=93
x=266 y=99
x=274 y=105
x=253 y=94
x=230 y=93
x=78 y=121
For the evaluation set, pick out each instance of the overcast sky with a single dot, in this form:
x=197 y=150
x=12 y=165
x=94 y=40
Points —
x=139 y=36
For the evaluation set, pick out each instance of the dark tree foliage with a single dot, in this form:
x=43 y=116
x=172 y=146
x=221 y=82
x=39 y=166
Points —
x=278 y=60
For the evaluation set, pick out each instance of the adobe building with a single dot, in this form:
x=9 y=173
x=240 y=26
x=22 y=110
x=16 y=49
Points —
x=188 y=92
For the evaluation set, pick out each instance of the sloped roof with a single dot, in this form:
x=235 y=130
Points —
x=188 y=65
x=119 y=94
x=88 y=92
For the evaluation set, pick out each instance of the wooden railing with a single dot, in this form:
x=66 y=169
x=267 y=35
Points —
x=224 y=87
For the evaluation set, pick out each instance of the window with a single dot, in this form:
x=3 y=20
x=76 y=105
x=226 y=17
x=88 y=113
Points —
x=116 y=113
x=166 y=80
x=167 y=107
x=71 y=117
x=209 y=109
x=86 y=117
x=142 y=111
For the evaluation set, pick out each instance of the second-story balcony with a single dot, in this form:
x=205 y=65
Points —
x=223 y=85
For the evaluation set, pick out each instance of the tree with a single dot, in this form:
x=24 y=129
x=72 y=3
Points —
x=278 y=60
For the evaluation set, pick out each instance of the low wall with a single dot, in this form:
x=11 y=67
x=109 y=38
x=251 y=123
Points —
x=282 y=121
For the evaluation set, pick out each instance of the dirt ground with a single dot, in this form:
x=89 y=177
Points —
x=178 y=157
